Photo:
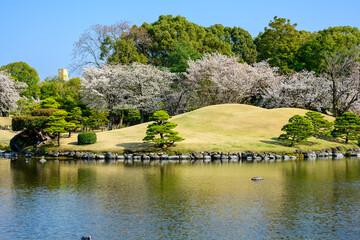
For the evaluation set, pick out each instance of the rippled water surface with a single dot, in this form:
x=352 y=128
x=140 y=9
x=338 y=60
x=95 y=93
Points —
x=69 y=199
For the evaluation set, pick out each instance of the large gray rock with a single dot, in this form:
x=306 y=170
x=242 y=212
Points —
x=78 y=155
x=198 y=155
x=174 y=158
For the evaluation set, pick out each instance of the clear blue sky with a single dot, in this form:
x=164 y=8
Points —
x=41 y=33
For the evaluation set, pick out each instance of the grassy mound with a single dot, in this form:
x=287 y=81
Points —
x=227 y=128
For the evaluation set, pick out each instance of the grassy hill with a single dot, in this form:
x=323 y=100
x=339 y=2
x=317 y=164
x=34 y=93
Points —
x=5 y=135
x=227 y=128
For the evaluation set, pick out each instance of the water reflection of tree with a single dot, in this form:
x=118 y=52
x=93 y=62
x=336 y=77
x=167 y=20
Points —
x=32 y=174
x=317 y=198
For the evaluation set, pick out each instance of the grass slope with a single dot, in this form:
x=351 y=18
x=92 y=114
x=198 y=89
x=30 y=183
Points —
x=227 y=128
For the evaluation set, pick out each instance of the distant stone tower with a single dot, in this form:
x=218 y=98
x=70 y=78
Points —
x=63 y=74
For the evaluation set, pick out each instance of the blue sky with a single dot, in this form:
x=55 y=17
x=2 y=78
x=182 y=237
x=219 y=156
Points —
x=42 y=33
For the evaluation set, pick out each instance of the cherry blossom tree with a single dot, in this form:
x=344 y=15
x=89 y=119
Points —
x=147 y=86
x=300 y=90
x=136 y=86
x=105 y=88
x=9 y=93
x=217 y=79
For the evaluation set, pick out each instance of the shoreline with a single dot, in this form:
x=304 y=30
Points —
x=335 y=153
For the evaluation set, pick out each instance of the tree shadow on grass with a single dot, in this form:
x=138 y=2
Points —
x=73 y=143
x=278 y=142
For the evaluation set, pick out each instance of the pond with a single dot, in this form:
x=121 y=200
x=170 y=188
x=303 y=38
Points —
x=110 y=200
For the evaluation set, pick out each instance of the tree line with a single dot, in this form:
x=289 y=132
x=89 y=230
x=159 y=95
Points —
x=129 y=72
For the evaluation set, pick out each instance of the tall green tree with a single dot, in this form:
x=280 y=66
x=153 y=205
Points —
x=178 y=58
x=242 y=43
x=167 y=31
x=298 y=130
x=22 y=72
x=280 y=43
x=121 y=51
x=57 y=124
x=333 y=39
x=160 y=132
x=347 y=127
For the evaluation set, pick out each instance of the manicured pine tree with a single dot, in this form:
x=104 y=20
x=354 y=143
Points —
x=160 y=132
x=75 y=118
x=57 y=124
x=322 y=127
x=347 y=126
x=297 y=130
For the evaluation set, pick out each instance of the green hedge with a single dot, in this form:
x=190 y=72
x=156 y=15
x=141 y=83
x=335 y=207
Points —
x=86 y=138
x=20 y=123
x=43 y=112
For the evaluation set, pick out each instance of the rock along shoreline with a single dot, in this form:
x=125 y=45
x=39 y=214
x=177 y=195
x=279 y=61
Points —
x=207 y=157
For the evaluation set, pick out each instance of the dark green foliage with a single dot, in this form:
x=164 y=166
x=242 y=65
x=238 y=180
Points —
x=44 y=149
x=280 y=43
x=347 y=127
x=86 y=138
x=121 y=51
x=96 y=119
x=298 y=130
x=43 y=112
x=29 y=122
x=160 y=132
x=333 y=39
x=183 y=51
x=22 y=72
x=322 y=127
x=167 y=31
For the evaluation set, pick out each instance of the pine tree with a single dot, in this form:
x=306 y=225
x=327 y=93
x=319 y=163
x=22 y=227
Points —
x=75 y=118
x=347 y=126
x=322 y=127
x=297 y=130
x=160 y=132
x=57 y=124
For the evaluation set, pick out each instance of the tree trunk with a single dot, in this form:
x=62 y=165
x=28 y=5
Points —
x=334 y=103
x=69 y=134
x=121 y=118
x=142 y=116
x=58 y=139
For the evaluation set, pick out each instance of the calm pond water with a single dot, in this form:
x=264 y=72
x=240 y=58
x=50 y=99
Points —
x=69 y=199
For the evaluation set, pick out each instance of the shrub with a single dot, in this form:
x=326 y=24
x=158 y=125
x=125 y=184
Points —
x=86 y=138
x=43 y=112
x=44 y=149
x=28 y=122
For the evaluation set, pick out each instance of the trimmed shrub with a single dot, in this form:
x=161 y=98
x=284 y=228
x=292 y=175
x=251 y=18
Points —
x=20 y=123
x=86 y=138
x=43 y=112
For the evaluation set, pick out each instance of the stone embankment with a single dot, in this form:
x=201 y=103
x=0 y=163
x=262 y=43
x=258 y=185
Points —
x=335 y=153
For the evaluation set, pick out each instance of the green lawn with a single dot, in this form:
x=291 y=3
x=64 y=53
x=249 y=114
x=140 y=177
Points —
x=227 y=128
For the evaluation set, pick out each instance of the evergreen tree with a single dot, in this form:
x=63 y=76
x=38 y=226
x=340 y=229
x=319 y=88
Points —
x=322 y=127
x=57 y=124
x=75 y=118
x=49 y=103
x=297 y=130
x=347 y=126
x=160 y=132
